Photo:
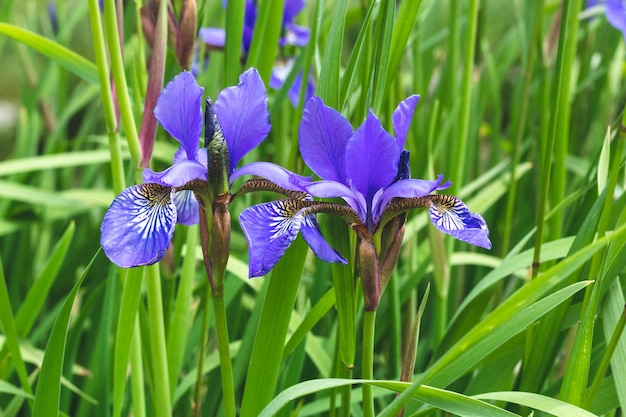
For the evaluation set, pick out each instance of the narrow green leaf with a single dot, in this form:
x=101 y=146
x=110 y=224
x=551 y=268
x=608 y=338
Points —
x=59 y=160
x=235 y=12
x=538 y=402
x=31 y=307
x=58 y=53
x=445 y=400
x=402 y=28
x=313 y=317
x=132 y=279
x=612 y=310
x=328 y=88
x=265 y=38
x=270 y=338
x=7 y=322
x=49 y=383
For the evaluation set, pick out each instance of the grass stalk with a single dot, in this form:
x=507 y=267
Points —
x=369 y=325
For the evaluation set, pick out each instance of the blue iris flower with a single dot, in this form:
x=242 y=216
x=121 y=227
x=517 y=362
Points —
x=139 y=225
x=292 y=34
x=615 y=11
x=369 y=170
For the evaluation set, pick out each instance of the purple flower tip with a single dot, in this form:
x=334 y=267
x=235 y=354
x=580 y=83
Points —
x=451 y=216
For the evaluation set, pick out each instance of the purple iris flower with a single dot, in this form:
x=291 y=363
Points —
x=138 y=227
x=292 y=34
x=615 y=11
x=368 y=169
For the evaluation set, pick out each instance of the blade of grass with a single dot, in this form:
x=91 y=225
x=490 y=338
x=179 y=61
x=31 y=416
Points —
x=75 y=63
x=328 y=88
x=273 y=324
x=48 y=388
x=265 y=38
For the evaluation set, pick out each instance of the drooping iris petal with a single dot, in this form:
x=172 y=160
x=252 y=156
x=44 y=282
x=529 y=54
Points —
x=177 y=175
x=179 y=111
x=137 y=228
x=451 y=216
x=313 y=237
x=269 y=229
x=616 y=14
x=243 y=114
x=324 y=136
x=372 y=157
x=186 y=207
x=275 y=173
x=213 y=37
x=401 y=118
x=409 y=188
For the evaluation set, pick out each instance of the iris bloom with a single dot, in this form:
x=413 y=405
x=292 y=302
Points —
x=615 y=11
x=139 y=225
x=292 y=34
x=369 y=170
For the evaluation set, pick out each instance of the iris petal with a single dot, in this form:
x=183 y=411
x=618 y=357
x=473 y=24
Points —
x=177 y=175
x=243 y=114
x=269 y=229
x=213 y=37
x=275 y=173
x=409 y=188
x=295 y=35
x=324 y=135
x=319 y=246
x=187 y=207
x=616 y=14
x=139 y=225
x=372 y=157
x=179 y=111
x=450 y=215
x=401 y=118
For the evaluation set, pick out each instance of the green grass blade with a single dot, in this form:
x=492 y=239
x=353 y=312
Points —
x=73 y=62
x=273 y=324
x=49 y=383
x=7 y=322
x=235 y=12
x=31 y=307
x=328 y=88
x=132 y=279
x=59 y=160
x=265 y=39
x=539 y=402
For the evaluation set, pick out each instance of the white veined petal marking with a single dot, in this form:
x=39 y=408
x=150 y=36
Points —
x=152 y=209
x=445 y=212
x=283 y=218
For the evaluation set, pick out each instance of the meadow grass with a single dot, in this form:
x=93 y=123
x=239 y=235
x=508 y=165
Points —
x=522 y=108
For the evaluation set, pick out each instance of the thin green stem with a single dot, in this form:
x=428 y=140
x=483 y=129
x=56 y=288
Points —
x=137 y=379
x=466 y=94
x=226 y=368
x=162 y=399
x=119 y=78
x=203 y=342
x=235 y=11
x=369 y=325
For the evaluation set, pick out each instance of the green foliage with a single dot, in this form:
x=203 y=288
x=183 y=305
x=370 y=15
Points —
x=521 y=108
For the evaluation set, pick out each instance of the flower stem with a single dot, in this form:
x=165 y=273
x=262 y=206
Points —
x=369 y=323
x=221 y=328
x=162 y=401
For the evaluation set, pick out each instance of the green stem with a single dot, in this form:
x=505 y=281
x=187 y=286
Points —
x=119 y=78
x=235 y=11
x=201 y=354
x=369 y=324
x=137 y=379
x=162 y=399
x=466 y=94
x=221 y=328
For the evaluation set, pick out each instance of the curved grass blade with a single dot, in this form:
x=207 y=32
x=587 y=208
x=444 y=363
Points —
x=49 y=383
x=73 y=62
